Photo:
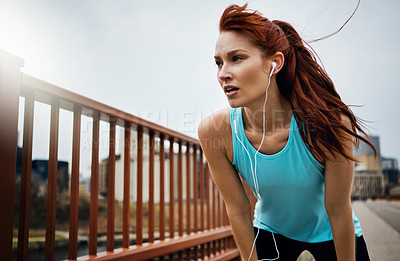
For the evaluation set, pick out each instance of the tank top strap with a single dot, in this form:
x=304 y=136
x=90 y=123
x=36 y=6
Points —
x=233 y=121
x=237 y=132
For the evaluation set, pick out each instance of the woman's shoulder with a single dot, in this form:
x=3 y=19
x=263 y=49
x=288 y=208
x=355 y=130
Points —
x=216 y=124
x=215 y=132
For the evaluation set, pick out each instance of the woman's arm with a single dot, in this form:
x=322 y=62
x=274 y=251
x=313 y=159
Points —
x=213 y=135
x=338 y=182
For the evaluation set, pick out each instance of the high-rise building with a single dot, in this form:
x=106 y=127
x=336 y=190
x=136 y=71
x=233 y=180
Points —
x=390 y=169
x=364 y=148
x=368 y=177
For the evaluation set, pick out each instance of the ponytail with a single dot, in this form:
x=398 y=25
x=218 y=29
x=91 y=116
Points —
x=314 y=99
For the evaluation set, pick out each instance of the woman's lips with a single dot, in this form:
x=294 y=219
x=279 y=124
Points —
x=231 y=93
x=230 y=90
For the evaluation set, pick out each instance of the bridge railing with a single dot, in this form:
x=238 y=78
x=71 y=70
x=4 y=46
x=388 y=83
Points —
x=197 y=226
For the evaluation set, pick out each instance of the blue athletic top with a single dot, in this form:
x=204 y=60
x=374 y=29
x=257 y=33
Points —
x=291 y=185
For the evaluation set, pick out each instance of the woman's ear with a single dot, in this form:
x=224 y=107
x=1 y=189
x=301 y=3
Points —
x=279 y=59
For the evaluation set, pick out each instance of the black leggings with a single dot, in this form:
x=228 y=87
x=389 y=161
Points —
x=290 y=249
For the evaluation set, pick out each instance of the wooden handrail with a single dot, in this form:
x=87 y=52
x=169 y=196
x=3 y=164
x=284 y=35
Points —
x=44 y=91
x=162 y=247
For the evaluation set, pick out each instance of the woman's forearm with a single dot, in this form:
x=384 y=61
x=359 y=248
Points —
x=242 y=228
x=343 y=234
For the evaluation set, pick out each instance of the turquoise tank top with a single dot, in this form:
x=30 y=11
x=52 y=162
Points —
x=291 y=185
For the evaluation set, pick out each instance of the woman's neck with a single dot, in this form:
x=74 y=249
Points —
x=278 y=112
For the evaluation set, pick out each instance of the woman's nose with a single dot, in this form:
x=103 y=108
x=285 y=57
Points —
x=224 y=73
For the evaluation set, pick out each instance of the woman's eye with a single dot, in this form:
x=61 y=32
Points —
x=237 y=58
x=218 y=63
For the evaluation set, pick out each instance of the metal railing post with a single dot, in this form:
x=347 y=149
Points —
x=10 y=81
x=127 y=184
x=26 y=174
x=94 y=187
x=111 y=189
x=74 y=195
x=52 y=181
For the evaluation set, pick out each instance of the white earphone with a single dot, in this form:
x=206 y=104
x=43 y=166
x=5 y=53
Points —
x=272 y=70
x=254 y=173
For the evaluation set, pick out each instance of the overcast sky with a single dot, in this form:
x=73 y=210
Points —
x=154 y=59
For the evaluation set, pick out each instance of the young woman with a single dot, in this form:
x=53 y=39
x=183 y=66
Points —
x=289 y=136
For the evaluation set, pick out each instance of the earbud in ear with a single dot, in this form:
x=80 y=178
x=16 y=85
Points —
x=273 y=68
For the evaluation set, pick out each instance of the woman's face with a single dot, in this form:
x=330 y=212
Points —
x=242 y=73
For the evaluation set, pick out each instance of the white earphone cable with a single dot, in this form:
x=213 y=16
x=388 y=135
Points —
x=254 y=172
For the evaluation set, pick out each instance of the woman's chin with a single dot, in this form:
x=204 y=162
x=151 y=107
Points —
x=234 y=104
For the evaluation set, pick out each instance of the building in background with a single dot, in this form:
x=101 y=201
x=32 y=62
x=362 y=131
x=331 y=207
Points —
x=38 y=193
x=40 y=169
x=368 y=177
x=390 y=169
x=395 y=191
x=391 y=173
x=103 y=175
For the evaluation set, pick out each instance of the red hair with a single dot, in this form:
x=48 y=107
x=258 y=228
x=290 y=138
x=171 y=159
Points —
x=302 y=81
